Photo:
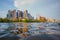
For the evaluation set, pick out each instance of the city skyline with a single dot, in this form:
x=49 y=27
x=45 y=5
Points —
x=18 y=14
x=46 y=8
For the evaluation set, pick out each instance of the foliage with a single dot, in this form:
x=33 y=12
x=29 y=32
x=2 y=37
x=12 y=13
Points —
x=22 y=20
x=0 y=19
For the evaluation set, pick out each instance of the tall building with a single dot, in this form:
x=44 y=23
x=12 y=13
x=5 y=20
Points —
x=30 y=17
x=11 y=14
x=26 y=14
x=8 y=15
x=14 y=15
x=38 y=17
x=19 y=14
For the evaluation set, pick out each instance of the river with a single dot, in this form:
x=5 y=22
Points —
x=20 y=31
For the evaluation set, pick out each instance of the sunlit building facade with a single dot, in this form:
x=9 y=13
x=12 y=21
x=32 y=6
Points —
x=50 y=20
x=57 y=21
x=26 y=14
x=40 y=18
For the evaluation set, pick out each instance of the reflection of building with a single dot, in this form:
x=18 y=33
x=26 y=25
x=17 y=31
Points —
x=50 y=20
x=25 y=28
x=13 y=15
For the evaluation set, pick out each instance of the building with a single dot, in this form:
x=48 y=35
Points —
x=57 y=21
x=11 y=14
x=14 y=15
x=26 y=14
x=50 y=20
x=19 y=14
x=30 y=17
x=40 y=18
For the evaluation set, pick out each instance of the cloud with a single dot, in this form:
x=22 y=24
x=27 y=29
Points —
x=23 y=3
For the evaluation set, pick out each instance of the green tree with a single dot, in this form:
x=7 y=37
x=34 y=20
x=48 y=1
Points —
x=5 y=20
x=1 y=19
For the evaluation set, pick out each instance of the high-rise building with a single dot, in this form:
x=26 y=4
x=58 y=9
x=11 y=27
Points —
x=19 y=14
x=26 y=14
x=8 y=15
x=11 y=14
x=14 y=15
x=38 y=17
x=29 y=16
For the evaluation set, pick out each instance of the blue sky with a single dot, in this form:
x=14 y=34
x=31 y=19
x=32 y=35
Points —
x=46 y=8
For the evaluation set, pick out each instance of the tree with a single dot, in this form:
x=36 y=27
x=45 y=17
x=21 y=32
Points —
x=5 y=20
x=1 y=19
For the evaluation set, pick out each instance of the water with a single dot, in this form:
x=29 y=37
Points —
x=29 y=29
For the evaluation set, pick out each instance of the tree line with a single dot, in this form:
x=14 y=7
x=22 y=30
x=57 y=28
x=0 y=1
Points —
x=22 y=20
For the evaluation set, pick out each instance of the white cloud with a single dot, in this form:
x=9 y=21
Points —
x=26 y=4
x=23 y=3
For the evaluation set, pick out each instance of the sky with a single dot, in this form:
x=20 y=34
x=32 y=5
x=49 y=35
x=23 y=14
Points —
x=46 y=8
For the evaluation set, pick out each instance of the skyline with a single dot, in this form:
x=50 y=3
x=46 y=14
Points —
x=46 y=8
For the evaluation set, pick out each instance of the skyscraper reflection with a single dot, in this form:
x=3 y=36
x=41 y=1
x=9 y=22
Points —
x=25 y=27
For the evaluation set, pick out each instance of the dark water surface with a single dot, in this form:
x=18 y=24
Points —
x=29 y=31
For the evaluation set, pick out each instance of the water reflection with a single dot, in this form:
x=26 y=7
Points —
x=24 y=30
